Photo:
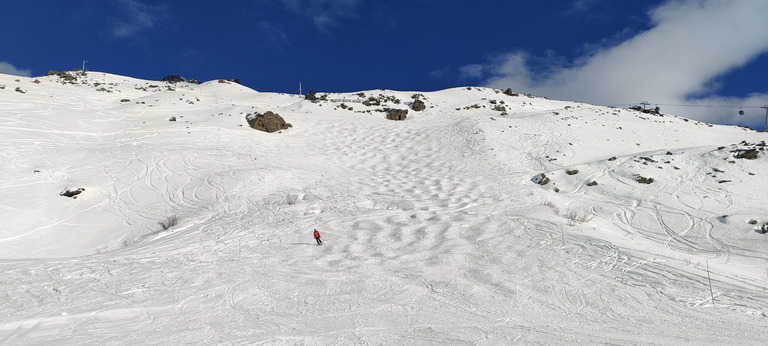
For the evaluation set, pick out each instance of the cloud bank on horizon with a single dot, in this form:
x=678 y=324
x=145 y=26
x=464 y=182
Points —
x=676 y=62
x=13 y=70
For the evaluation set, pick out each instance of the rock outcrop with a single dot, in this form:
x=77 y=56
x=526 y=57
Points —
x=397 y=114
x=418 y=105
x=267 y=122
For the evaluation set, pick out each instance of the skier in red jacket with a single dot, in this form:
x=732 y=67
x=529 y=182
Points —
x=317 y=237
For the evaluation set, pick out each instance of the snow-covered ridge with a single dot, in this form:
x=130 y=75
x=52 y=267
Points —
x=436 y=229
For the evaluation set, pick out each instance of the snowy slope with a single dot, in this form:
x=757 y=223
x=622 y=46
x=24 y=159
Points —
x=435 y=229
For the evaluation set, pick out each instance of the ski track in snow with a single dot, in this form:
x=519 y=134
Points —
x=433 y=232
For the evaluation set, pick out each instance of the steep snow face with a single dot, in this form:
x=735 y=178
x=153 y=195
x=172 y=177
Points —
x=435 y=230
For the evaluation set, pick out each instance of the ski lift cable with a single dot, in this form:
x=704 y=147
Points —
x=741 y=108
x=703 y=106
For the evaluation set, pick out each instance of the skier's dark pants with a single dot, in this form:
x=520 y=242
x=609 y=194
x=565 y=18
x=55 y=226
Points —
x=318 y=241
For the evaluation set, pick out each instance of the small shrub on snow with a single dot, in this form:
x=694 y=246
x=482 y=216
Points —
x=169 y=222
x=551 y=205
x=548 y=204
x=577 y=216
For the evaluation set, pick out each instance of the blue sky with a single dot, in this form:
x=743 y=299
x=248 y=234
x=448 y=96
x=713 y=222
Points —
x=695 y=53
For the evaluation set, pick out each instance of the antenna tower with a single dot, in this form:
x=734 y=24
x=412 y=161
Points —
x=766 y=117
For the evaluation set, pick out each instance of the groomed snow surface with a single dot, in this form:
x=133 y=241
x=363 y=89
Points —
x=434 y=229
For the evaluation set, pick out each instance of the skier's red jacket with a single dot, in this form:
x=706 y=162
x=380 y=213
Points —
x=317 y=234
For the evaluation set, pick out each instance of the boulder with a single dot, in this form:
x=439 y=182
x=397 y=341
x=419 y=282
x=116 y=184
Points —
x=418 y=105
x=644 y=180
x=267 y=122
x=173 y=79
x=311 y=95
x=72 y=193
x=510 y=92
x=372 y=101
x=397 y=114
x=540 y=179
x=749 y=154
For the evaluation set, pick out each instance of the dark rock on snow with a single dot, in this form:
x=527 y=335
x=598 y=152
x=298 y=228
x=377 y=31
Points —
x=267 y=122
x=72 y=193
x=418 y=105
x=397 y=114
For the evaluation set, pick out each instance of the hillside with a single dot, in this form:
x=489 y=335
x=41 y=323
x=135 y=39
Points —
x=436 y=229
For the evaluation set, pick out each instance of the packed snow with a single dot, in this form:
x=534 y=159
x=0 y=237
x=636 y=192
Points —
x=437 y=230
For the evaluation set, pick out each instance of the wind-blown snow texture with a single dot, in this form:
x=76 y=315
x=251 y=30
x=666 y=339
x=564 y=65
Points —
x=434 y=230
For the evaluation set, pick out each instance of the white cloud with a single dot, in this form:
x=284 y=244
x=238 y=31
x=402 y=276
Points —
x=272 y=35
x=10 y=69
x=582 y=6
x=690 y=44
x=323 y=13
x=471 y=71
x=440 y=74
x=140 y=17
